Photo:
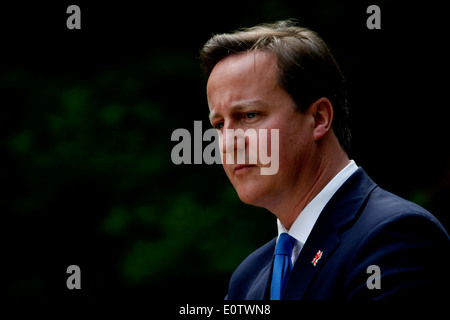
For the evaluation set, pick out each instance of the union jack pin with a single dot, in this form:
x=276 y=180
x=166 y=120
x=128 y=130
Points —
x=317 y=257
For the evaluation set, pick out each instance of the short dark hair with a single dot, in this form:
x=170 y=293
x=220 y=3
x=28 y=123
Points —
x=306 y=67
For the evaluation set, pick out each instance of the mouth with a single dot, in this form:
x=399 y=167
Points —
x=240 y=169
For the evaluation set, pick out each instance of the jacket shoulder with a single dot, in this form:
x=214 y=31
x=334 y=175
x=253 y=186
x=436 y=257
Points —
x=383 y=208
x=400 y=238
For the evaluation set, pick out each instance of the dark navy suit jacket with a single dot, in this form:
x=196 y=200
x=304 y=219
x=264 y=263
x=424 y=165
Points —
x=362 y=225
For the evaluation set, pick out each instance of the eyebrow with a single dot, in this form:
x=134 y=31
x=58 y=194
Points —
x=239 y=107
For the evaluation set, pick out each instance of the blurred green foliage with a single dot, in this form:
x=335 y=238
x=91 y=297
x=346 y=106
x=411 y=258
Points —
x=97 y=151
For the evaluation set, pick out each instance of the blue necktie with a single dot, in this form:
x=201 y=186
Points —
x=282 y=265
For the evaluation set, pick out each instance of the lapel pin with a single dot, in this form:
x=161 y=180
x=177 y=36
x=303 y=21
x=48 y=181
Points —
x=317 y=257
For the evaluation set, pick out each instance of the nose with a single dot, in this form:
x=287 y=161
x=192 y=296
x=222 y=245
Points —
x=232 y=143
x=233 y=140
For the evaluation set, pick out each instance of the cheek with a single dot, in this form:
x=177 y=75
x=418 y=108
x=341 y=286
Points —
x=270 y=138
x=294 y=141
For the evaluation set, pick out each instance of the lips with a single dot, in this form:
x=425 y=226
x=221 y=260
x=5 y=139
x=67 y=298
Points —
x=243 y=168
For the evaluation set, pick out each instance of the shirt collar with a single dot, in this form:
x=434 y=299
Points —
x=302 y=226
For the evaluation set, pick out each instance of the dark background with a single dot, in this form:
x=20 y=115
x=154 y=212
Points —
x=86 y=122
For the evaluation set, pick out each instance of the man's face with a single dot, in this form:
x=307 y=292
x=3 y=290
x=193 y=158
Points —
x=244 y=93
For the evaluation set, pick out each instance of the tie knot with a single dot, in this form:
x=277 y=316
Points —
x=285 y=244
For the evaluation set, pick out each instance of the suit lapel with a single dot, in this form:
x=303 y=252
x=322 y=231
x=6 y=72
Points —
x=340 y=211
x=261 y=286
x=304 y=269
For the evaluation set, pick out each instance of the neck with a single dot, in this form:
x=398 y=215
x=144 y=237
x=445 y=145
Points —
x=322 y=171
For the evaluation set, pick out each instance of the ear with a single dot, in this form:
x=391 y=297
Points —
x=322 y=111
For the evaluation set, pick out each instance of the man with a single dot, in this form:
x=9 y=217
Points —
x=340 y=236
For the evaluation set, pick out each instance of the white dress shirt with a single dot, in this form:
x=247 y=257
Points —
x=302 y=226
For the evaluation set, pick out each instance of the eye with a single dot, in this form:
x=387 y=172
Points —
x=251 y=115
x=218 y=125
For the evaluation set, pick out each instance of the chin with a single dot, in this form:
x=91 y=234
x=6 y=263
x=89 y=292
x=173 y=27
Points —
x=252 y=196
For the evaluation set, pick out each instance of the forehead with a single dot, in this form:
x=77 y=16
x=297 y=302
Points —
x=255 y=62
x=244 y=76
